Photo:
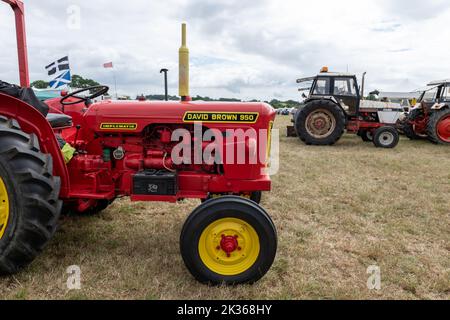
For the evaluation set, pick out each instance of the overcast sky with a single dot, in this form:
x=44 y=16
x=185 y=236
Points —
x=246 y=49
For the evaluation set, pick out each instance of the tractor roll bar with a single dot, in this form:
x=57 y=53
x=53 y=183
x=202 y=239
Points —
x=19 y=12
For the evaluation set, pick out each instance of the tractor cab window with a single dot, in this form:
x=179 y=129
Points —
x=446 y=93
x=344 y=87
x=322 y=86
x=430 y=95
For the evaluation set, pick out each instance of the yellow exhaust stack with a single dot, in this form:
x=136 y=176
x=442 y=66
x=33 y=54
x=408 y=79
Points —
x=184 y=67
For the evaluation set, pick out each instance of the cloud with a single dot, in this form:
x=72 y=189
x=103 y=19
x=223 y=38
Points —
x=239 y=48
x=400 y=50
x=386 y=27
x=416 y=9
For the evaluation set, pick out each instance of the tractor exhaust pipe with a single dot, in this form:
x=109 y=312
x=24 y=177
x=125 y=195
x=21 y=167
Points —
x=166 y=88
x=363 y=85
x=184 y=67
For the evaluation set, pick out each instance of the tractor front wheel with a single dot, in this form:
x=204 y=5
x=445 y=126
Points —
x=386 y=137
x=411 y=133
x=438 y=128
x=228 y=240
x=408 y=127
x=366 y=135
x=29 y=205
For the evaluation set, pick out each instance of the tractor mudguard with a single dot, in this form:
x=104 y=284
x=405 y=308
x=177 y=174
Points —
x=439 y=106
x=32 y=121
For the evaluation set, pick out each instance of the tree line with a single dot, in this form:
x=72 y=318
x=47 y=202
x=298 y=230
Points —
x=77 y=82
x=81 y=83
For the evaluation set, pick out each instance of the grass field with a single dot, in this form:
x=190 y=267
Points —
x=337 y=209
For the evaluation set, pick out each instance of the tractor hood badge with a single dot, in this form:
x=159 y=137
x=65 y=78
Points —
x=221 y=117
x=119 y=126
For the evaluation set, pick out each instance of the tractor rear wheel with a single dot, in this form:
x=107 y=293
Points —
x=386 y=137
x=438 y=128
x=320 y=122
x=228 y=240
x=29 y=204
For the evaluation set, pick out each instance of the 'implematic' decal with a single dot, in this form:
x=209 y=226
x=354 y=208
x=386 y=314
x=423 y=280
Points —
x=118 y=126
x=222 y=117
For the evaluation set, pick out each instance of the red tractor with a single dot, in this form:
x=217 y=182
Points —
x=76 y=155
x=430 y=117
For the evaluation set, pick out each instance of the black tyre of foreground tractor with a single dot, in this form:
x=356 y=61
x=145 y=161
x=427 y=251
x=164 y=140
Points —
x=29 y=205
x=229 y=240
x=386 y=137
x=320 y=122
x=438 y=127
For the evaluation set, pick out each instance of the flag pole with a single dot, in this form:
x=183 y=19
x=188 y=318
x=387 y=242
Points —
x=115 y=82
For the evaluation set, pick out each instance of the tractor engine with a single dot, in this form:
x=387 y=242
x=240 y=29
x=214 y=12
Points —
x=167 y=162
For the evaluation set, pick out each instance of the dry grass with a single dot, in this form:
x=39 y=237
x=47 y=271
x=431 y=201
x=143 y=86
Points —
x=337 y=209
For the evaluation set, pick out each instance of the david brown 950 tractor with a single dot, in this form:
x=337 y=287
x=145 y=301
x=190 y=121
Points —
x=335 y=104
x=430 y=117
x=114 y=149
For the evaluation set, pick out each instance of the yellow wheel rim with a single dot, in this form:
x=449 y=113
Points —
x=4 y=208
x=229 y=246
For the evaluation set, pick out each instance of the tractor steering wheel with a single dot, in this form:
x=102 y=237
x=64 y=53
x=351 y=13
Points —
x=97 y=92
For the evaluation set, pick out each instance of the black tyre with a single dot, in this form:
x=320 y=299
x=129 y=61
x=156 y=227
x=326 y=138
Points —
x=386 y=137
x=101 y=206
x=29 y=205
x=408 y=129
x=320 y=122
x=228 y=240
x=366 y=135
x=255 y=196
x=438 y=127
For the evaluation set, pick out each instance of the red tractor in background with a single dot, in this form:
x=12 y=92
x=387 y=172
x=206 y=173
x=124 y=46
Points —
x=430 y=117
x=125 y=149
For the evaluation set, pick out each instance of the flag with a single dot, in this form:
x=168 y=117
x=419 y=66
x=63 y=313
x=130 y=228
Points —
x=108 y=65
x=63 y=80
x=61 y=69
x=59 y=65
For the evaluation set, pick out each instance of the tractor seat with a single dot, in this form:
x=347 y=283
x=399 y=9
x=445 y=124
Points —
x=59 y=120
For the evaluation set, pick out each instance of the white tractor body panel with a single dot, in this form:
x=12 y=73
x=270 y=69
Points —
x=388 y=112
x=368 y=104
x=389 y=116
